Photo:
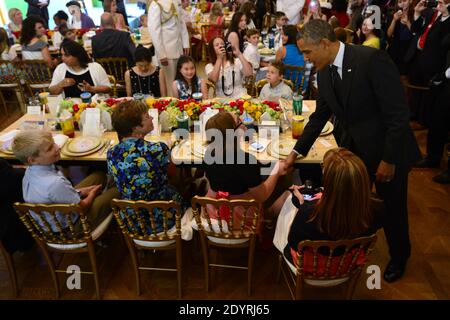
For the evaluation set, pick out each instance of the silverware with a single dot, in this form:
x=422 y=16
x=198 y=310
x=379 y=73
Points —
x=108 y=145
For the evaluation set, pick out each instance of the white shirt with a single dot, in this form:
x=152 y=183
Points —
x=282 y=90
x=291 y=8
x=169 y=38
x=227 y=72
x=9 y=55
x=339 y=60
x=98 y=74
x=252 y=55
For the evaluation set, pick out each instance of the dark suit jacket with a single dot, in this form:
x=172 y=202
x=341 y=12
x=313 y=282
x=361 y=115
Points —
x=375 y=115
x=113 y=43
x=34 y=9
x=432 y=57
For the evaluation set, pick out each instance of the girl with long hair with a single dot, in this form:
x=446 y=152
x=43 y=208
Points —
x=226 y=71
x=345 y=209
x=186 y=82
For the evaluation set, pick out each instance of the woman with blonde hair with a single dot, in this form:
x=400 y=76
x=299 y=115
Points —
x=15 y=23
x=345 y=209
x=216 y=21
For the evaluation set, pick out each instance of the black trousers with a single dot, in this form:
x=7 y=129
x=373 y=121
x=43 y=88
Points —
x=396 y=226
x=440 y=122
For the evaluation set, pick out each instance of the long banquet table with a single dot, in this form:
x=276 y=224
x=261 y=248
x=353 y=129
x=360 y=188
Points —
x=181 y=152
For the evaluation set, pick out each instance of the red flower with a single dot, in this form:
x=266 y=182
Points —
x=75 y=108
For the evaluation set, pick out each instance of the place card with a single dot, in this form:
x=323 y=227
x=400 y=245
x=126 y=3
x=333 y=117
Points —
x=204 y=117
x=91 y=126
x=154 y=114
x=34 y=110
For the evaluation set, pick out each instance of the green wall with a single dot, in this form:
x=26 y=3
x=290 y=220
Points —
x=21 y=5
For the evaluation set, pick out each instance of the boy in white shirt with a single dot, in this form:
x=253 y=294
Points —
x=280 y=21
x=275 y=88
x=252 y=55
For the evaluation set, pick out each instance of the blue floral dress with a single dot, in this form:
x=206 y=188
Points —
x=139 y=169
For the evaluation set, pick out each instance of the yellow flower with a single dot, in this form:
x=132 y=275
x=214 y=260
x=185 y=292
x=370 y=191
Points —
x=150 y=101
x=257 y=115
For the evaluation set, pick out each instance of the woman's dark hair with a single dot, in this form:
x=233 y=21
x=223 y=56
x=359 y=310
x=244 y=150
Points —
x=290 y=31
x=143 y=54
x=247 y=8
x=234 y=27
x=28 y=29
x=182 y=60
x=4 y=41
x=76 y=50
x=339 y=5
x=127 y=115
x=61 y=15
x=212 y=51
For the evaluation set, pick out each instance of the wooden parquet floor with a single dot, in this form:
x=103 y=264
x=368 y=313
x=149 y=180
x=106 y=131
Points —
x=427 y=275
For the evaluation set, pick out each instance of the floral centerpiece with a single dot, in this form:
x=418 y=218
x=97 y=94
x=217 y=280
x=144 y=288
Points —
x=76 y=109
x=193 y=108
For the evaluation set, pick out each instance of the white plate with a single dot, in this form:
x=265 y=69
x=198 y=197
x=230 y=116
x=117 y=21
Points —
x=327 y=129
x=83 y=144
x=282 y=147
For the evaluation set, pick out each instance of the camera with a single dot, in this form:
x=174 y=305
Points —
x=228 y=47
x=431 y=4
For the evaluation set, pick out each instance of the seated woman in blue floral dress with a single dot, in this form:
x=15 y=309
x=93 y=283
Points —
x=140 y=167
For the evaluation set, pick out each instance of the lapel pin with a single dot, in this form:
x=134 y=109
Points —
x=349 y=70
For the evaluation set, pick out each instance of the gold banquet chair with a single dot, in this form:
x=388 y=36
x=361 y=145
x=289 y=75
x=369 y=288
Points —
x=326 y=268
x=133 y=217
x=296 y=75
x=236 y=230
x=113 y=82
x=10 y=81
x=117 y=68
x=75 y=238
x=38 y=75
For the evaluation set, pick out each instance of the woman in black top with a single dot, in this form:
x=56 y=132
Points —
x=230 y=170
x=145 y=77
x=344 y=210
x=77 y=73
x=236 y=31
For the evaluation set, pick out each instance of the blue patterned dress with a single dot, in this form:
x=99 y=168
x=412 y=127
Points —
x=139 y=169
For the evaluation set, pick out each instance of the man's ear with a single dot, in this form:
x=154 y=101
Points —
x=31 y=160
x=325 y=42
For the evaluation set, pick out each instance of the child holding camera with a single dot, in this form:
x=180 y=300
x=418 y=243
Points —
x=226 y=71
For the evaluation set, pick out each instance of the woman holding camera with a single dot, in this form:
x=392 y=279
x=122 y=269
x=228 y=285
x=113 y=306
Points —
x=226 y=71
x=344 y=209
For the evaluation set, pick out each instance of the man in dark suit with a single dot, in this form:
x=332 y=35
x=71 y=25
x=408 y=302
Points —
x=111 y=42
x=38 y=8
x=361 y=87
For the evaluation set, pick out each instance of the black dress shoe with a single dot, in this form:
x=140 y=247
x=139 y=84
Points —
x=394 y=271
x=427 y=163
x=443 y=178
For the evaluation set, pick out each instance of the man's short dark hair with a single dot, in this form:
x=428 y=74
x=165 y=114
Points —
x=316 y=30
x=252 y=32
x=61 y=15
x=73 y=3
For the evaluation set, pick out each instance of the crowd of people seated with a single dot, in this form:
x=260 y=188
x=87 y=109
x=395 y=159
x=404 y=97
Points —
x=416 y=36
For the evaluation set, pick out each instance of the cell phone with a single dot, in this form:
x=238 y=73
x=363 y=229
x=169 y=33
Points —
x=257 y=146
